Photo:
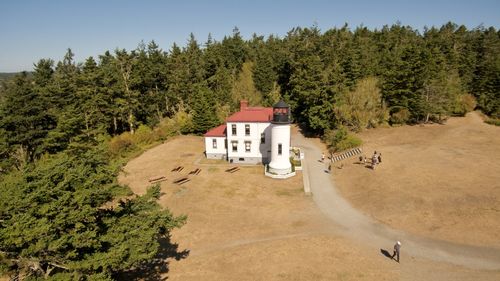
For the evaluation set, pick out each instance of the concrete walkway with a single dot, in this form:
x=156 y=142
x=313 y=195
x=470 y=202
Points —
x=361 y=228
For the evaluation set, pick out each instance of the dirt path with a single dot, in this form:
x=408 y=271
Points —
x=361 y=228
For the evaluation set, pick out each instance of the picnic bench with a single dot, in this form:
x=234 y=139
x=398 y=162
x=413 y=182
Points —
x=181 y=180
x=195 y=172
x=233 y=169
x=157 y=179
x=177 y=169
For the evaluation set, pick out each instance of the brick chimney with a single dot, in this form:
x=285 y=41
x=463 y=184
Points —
x=243 y=105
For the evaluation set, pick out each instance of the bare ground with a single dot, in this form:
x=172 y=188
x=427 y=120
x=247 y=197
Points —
x=244 y=226
x=436 y=181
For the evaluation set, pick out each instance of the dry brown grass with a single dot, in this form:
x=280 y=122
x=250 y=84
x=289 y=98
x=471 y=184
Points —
x=244 y=226
x=439 y=181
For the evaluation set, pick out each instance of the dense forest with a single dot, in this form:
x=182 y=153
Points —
x=63 y=126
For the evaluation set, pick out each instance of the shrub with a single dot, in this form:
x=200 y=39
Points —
x=464 y=103
x=491 y=121
x=400 y=116
x=121 y=143
x=143 y=135
x=341 y=139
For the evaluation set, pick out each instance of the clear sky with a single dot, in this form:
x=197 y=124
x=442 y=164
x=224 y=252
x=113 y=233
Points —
x=35 y=29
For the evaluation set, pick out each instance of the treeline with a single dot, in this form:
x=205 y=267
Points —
x=62 y=125
x=411 y=77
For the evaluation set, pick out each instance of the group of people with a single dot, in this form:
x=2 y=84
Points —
x=329 y=167
x=376 y=159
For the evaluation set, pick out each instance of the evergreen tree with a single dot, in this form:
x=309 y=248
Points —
x=25 y=120
x=61 y=203
x=204 y=110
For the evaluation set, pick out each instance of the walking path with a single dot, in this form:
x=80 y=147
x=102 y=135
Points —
x=357 y=226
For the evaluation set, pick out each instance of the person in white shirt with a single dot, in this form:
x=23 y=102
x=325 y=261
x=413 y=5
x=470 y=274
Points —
x=397 y=248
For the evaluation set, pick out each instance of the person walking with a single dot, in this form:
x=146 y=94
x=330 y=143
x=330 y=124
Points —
x=397 y=248
x=380 y=157
x=330 y=168
x=322 y=157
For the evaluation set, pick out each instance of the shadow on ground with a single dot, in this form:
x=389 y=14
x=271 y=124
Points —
x=156 y=269
x=386 y=253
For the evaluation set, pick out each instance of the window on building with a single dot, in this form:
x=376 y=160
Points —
x=263 y=138
x=279 y=149
x=248 y=144
x=214 y=143
x=234 y=144
x=247 y=129
x=233 y=129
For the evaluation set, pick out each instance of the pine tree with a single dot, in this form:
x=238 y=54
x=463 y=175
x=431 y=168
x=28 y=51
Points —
x=204 y=110
x=25 y=119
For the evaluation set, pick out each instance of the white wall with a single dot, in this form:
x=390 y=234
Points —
x=281 y=135
x=218 y=152
x=257 y=150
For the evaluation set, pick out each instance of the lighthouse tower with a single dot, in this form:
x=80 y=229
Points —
x=280 y=140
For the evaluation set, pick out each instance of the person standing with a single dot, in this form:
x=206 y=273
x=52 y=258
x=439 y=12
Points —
x=397 y=248
x=322 y=157
x=380 y=157
x=374 y=161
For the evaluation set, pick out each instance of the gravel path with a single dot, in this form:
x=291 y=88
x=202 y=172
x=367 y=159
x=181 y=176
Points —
x=360 y=227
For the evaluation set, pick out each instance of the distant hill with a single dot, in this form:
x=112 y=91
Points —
x=7 y=75
x=4 y=76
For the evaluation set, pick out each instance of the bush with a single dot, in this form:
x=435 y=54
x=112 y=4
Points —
x=341 y=139
x=143 y=135
x=465 y=103
x=121 y=143
x=491 y=121
x=400 y=116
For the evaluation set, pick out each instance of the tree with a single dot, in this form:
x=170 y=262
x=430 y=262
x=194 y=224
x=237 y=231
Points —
x=244 y=87
x=61 y=201
x=24 y=119
x=128 y=100
x=361 y=108
x=204 y=110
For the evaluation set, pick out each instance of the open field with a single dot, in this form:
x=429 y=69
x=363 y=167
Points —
x=437 y=181
x=244 y=226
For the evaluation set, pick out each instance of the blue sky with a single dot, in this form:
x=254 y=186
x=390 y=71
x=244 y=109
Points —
x=31 y=30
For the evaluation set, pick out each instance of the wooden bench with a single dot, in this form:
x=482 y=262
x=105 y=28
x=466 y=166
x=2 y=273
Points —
x=182 y=180
x=195 y=172
x=233 y=169
x=157 y=179
x=177 y=169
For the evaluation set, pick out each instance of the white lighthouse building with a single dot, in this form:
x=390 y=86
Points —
x=280 y=140
x=254 y=135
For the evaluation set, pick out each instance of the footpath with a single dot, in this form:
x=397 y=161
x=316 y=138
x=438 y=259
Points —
x=359 y=227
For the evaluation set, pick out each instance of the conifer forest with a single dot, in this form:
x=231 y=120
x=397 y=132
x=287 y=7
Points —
x=67 y=127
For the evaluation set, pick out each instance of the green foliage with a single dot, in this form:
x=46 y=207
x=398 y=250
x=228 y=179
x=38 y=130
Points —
x=244 y=87
x=144 y=135
x=61 y=201
x=361 y=108
x=464 y=103
x=204 y=110
x=400 y=116
x=492 y=121
x=134 y=98
x=121 y=144
x=340 y=140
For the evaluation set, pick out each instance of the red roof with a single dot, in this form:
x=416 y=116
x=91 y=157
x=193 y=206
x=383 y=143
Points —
x=217 y=132
x=252 y=114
